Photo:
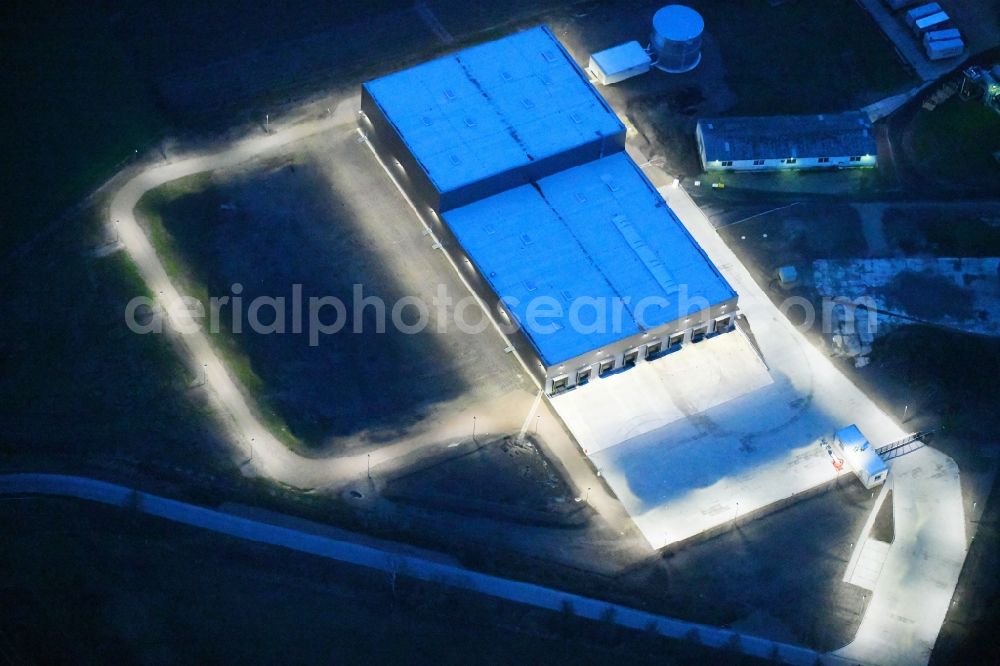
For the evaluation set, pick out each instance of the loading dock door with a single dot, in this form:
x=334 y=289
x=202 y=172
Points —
x=631 y=356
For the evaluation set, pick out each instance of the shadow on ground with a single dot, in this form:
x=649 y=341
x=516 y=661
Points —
x=270 y=229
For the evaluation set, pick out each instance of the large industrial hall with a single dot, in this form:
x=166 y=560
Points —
x=519 y=164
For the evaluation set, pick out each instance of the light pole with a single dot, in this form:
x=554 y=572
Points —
x=118 y=235
x=473 y=428
x=250 y=459
x=369 y=466
x=537 y=419
x=267 y=120
x=906 y=409
x=587 y=498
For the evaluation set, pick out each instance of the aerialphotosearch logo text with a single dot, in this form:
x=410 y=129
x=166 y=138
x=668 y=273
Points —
x=319 y=316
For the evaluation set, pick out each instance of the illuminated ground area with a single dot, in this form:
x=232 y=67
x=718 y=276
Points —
x=715 y=434
x=700 y=436
x=654 y=394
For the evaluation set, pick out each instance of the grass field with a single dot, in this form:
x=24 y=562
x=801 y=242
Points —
x=116 y=587
x=942 y=232
x=956 y=141
x=802 y=57
x=75 y=382
x=73 y=108
x=947 y=376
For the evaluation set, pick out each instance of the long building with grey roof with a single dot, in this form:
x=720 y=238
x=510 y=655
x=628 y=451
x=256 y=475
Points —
x=760 y=143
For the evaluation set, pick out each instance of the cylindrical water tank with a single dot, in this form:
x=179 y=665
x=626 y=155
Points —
x=676 y=38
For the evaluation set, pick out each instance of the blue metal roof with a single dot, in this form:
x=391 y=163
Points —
x=493 y=107
x=596 y=231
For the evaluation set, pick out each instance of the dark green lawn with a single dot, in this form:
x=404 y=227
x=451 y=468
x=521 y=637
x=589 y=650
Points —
x=950 y=376
x=957 y=140
x=943 y=233
x=802 y=57
x=75 y=383
x=72 y=111
x=87 y=584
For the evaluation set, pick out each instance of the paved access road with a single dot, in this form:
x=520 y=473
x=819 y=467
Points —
x=350 y=552
x=923 y=564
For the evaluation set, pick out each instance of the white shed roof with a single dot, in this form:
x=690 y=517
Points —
x=621 y=58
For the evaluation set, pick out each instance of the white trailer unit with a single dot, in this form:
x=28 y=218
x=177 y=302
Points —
x=619 y=63
x=942 y=50
x=866 y=463
x=919 y=12
x=938 y=21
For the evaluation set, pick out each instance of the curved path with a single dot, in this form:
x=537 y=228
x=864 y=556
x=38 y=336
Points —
x=349 y=552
